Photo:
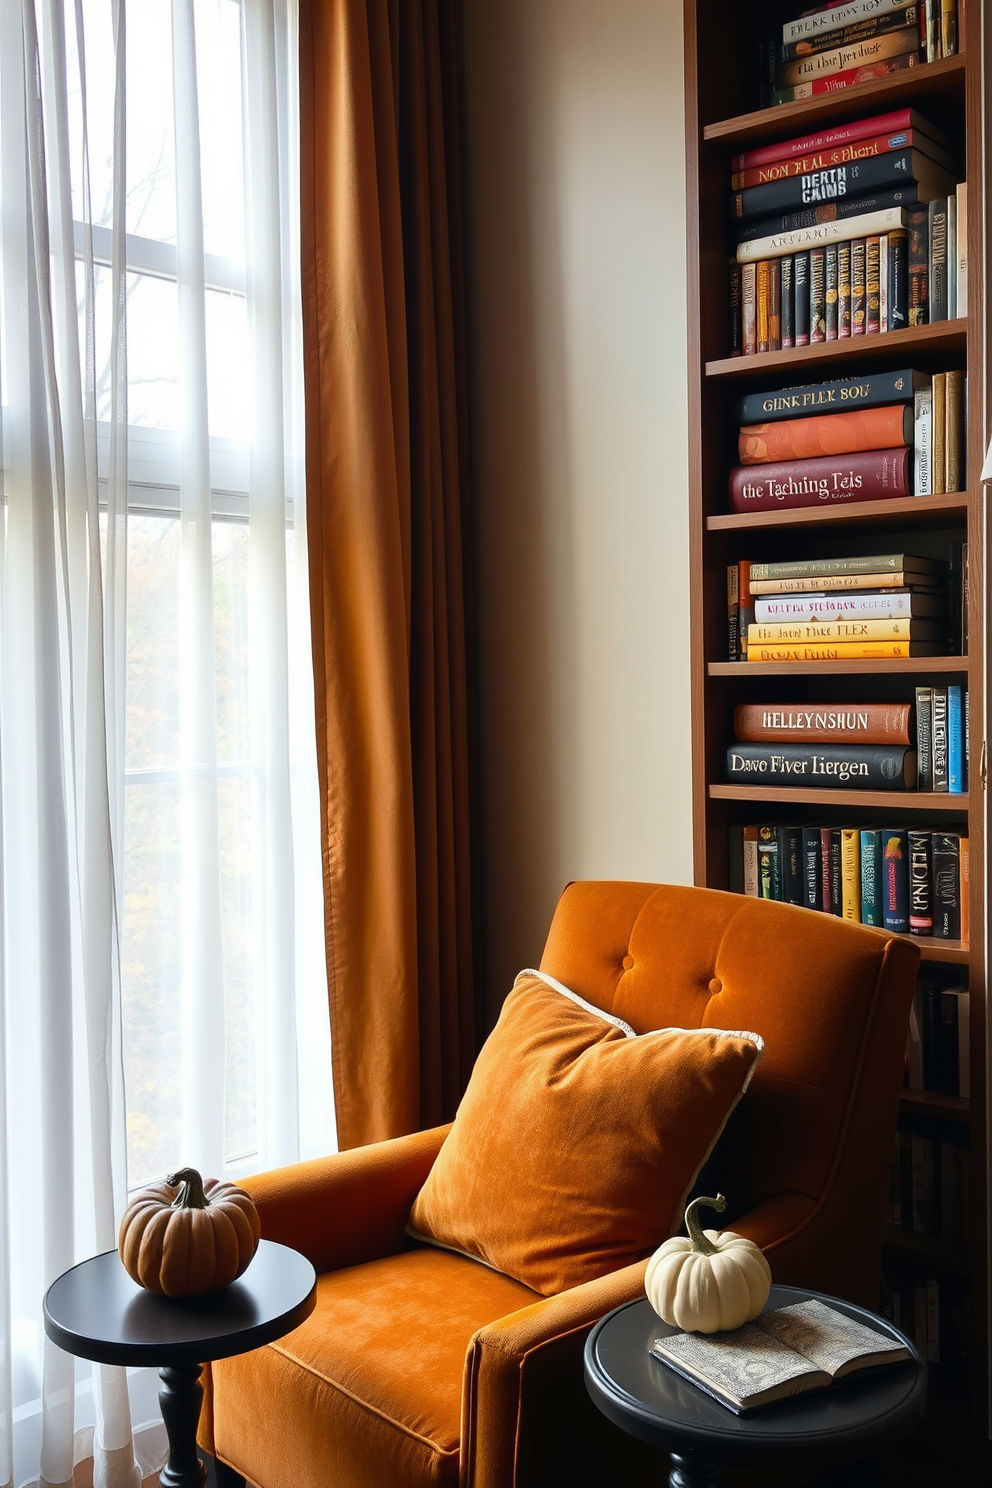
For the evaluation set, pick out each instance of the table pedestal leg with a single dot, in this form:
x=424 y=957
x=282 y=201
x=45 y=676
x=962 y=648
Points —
x=180 y=1397
x=690 y=1471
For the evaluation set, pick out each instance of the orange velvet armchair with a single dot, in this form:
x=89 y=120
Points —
x=421 y=1367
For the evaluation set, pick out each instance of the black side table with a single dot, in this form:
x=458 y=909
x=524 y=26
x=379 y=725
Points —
x=642 y=1396
x=97 y=1311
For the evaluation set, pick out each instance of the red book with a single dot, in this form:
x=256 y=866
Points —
x=827 y=158
x=804 y=144
x=869 y=475
x=839 y=433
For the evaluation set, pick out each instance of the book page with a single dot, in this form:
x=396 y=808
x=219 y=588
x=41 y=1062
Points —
x=830 y=1339
x=743 y=1365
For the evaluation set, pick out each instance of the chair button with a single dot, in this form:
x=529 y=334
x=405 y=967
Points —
x=716 y=986
x=627 y=962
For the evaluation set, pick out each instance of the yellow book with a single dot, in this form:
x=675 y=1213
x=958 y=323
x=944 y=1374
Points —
x=850 y=873
x=780 y=633
x=841 y=650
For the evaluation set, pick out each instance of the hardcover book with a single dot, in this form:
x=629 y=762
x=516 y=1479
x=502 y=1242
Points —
x=820 y=233
x=846 y=36
x=833 y=18
x=834 y=632
x=856 y=178
x=895 y=604
x=838 y=134
x=835 y=82
x=870 y=563
x=850 y=766
x=871 y=877
x=868 y=475
x=841 y=433
x=895 y=880
x=782 y=1353
x=920 y=901
x=945 y=853
x=871 y=390
x=823 y=723
x=907 y=196
x=843 y=58
x=840 y=154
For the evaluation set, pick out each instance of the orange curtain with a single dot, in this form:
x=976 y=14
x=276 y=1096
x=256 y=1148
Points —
x=386 y=493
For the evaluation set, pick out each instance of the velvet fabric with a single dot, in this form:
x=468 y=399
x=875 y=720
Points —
x=385 y=469
x=805 y=1164
x=575 y=1145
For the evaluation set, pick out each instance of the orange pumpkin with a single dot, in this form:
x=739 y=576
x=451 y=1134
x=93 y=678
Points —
x=184 y=1237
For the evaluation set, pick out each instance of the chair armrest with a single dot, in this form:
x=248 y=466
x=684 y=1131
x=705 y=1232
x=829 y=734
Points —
x=504 y=1362
x=351 y=1206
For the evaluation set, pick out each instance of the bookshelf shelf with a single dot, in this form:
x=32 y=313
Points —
x=918 y=344
x=938 y=80
x=721 y=49
x=818 y=796
x=924 y=665
x=932 y=1103
x=930 y=510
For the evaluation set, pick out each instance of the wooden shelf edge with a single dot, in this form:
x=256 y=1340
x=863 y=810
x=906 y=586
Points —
x=905 y=800
x=801 y=117
x=943 y=336
x=934 y=948
x=922 y=664
x=927 y=1250
x=897 y=509
x=932 y=1103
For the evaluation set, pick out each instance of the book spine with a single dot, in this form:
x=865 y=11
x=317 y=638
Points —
x=809 y=609
x=827 y=584
x=850 y=857
x=924 y=738
x=854 y=766
x=788 y=304
x=812 y=869
x=855 y=179
x=769 y=864
x=871 y=877
x=836 y=874
x=746 y=603
x=841 y=433
x=931 y=31
x=821 y=723
x=895 y=869
x=885 y=143
x=872 y=300
x=841 y=632
x=800 y=278
x=883 y=283
x=939 y=460
x=790 y=849
x=829 y=480
x=832 y=230
x=954 y=423
x=858 y=298
x=836 y=82
x=830 y=286
x=955 y=742
x=842 y=59
x=952 y=257
x=817 y=295
x=948 y=28
x=733 y=614
x=775 y=305
x=895 y=421
x=918 y=237
x=962 y=267
x=826 y=871
x=873 y=390
x=937 y=275
x=749 y=319
x=898 y=279
x=844 y=209
x=750 y=850
x=923 y=442
x=843 y=290
x=837 y=135
x=946 y=870
x=920 y=905
x=761 y=304
x=939 y=739
x=735 y=326
x=832 y=18
x=845 y=36
x=840 y=650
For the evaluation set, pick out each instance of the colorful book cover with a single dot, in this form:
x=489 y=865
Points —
x=872 y=897
x=850 y=856
x=839 y=433
x=869 y=475
x=920 y=901
x=955 y=741
x=895 y=871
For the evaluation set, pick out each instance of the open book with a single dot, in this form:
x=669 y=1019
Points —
x=782 y=1353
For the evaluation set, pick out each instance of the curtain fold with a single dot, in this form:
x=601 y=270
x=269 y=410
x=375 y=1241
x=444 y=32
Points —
x=386 y=492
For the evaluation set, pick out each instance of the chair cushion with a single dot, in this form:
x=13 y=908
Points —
x=577 y=1140
x=368 y=1391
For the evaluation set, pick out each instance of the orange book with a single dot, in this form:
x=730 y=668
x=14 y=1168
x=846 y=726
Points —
x=841 y=433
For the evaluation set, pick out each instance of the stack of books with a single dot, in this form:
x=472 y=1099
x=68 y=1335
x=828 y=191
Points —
x=880 y=606
x=942 y=739
x=896 y=878
x=857 y=230
x=839 y=45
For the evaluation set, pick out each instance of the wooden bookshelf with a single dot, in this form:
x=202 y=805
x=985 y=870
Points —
x=721 y=120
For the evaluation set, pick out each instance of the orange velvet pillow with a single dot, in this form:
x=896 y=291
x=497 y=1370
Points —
x=577 y=1140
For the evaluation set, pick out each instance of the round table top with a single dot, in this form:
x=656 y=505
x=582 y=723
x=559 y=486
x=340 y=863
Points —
x=96 y=1311
x=650 y=1401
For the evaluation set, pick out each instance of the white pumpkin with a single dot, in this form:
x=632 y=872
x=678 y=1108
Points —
x=711 y=1281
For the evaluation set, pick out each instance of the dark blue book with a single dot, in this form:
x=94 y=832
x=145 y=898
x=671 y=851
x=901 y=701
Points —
x=747 y=229
x=872 y=906
x=871 y=390
x=833 y=766
x=955 y=741
x=812 y=869
x=895 y=880
x=790 y=851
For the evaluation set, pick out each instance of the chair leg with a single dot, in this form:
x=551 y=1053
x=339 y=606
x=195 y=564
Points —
x=226 y=1477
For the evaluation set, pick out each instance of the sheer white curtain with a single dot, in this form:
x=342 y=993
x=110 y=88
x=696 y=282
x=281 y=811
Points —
x=160 y=904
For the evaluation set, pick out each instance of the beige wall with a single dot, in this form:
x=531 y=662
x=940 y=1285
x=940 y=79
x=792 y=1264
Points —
x=576 y=201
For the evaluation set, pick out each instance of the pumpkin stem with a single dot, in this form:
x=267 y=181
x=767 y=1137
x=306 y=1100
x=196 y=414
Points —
x=699 y=1240
x=190 y=1195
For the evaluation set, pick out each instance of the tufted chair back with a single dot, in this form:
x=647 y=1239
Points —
x=805 y=1158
